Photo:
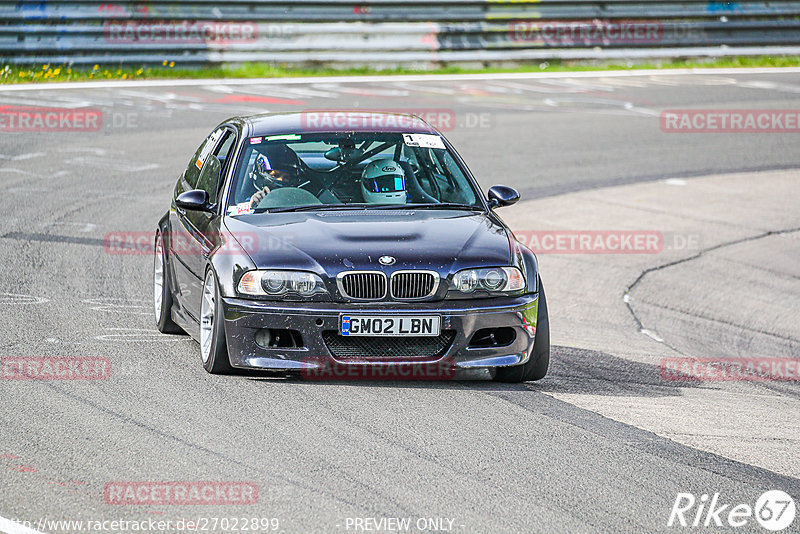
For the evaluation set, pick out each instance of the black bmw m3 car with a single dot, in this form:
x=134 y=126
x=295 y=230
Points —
x=301 y=241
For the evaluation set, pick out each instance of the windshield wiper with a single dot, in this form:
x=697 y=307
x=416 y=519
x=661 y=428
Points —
x=331 y=207
x=422 y=206
x=315 y=207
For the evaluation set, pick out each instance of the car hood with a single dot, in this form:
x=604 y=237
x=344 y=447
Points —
x=334 y=241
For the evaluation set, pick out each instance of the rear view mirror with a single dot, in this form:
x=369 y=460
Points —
x=341 y=155
x=502 y=195
x=334 y=154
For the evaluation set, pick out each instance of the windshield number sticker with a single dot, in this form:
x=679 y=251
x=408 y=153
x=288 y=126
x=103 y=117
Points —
x=243 y=208
x=423 y=140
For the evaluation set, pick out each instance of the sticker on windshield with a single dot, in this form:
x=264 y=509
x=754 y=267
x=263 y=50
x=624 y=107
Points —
x=255 y=140
x=423 y=140
x=243 y=208
x=286 y=137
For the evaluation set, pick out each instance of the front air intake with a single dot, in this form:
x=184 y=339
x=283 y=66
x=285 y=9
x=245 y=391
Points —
x=410 y=285
x=362 y=285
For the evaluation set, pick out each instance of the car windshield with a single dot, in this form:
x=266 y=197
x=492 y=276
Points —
x=349 y=170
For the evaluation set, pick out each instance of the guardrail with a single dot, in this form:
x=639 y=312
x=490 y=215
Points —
x=389 y=31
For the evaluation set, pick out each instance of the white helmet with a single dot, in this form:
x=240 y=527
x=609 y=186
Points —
x=383 y=182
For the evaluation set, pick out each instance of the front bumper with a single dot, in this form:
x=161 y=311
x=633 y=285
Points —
x=244 y=317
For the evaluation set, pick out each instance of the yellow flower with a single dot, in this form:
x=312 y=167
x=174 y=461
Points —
x=96 y=67
x=164 y=63
x=171 y=64
x=138 y=72
x=57 y=71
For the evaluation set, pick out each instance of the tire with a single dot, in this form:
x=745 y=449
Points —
x=162 y=292
x=213 y=347
x=536 y=367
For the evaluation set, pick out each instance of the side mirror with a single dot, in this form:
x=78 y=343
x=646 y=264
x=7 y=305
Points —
x=194 y=200
x=502 y=195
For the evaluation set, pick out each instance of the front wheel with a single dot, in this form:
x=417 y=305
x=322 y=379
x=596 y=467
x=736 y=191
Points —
x=213 y=347
x=536 y=367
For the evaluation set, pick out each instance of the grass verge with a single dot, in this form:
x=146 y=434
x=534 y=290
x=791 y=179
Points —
x=61 y=73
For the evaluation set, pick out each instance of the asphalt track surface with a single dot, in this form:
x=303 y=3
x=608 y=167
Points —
x=478 y=456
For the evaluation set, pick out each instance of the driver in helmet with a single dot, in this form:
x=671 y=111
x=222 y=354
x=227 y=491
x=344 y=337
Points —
x=275 y=166
x=383 y=182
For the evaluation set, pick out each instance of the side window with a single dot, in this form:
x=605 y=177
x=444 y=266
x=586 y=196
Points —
x=191 y=173
x=196 y=163
x=225 y=149
x=211 y=175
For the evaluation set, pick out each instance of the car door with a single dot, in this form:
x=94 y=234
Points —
x=194 y=231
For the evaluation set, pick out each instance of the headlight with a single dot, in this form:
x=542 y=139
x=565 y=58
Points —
x=281 y=283
x=493 y=280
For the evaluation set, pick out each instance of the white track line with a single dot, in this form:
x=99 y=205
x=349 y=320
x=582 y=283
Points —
x=10 y=527
x=390 y=78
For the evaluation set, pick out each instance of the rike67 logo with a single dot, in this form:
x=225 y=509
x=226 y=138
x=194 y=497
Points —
x=774 y=510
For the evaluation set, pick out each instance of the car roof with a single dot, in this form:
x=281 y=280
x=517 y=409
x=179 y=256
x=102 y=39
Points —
x=335 y=121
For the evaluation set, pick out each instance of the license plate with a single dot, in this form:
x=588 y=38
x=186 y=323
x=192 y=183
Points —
x=378 y=325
